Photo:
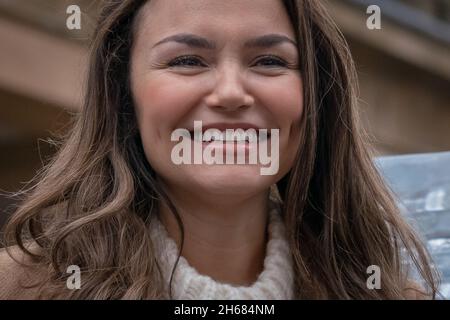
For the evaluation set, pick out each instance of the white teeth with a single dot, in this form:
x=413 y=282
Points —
x=222 y=136
x=237 y=137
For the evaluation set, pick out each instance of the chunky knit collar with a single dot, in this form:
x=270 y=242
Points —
x=276 y=281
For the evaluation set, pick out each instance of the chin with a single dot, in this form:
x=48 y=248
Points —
x=230 y=179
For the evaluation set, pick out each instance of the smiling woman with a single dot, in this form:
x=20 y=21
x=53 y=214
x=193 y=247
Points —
x=140 y=226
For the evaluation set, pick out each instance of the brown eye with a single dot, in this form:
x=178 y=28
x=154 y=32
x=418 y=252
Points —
x=186 y=61
x=271 y=61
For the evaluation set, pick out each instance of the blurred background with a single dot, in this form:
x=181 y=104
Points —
x=404 y=72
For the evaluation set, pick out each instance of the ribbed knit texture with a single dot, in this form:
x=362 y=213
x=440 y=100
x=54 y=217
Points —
x=276 y=281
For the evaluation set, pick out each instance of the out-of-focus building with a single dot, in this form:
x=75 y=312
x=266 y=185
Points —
x=404 y=71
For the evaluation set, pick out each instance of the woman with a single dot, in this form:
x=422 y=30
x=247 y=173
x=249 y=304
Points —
x=139 y=225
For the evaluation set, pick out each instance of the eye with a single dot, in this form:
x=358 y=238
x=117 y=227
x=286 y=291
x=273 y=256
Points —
x=272 y=61
x=187 y=61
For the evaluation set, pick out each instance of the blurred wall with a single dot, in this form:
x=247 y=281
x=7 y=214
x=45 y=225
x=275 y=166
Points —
x=404 y=72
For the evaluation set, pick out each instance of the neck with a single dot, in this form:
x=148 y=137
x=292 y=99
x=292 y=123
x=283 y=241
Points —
x=224 y=237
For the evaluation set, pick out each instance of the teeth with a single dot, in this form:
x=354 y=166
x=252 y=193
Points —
x=222 y=136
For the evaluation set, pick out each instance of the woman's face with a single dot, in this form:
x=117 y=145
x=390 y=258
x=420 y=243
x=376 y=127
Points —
x=240 y=66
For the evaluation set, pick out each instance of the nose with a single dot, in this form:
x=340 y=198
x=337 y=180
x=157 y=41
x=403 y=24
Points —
x=229 y=93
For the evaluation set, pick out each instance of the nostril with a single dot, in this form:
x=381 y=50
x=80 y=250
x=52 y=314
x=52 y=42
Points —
x=230 y=100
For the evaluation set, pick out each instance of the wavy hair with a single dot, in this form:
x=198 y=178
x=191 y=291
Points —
x=91 y=204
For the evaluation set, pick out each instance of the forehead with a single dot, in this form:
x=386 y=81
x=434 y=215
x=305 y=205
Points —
x=215 y=17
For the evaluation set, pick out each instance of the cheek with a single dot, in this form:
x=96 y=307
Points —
x=159 y=106
x=284 y=100
x=160 y=102
x=289 y=101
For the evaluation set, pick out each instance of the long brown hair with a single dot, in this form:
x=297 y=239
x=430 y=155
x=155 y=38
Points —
x=91 y=205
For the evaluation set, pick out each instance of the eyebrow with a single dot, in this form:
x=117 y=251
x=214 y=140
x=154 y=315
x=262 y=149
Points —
x=195 y=41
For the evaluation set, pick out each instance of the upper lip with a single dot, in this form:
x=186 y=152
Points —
x=224 y=125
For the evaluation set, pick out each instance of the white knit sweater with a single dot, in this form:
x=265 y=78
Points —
x=276 y=281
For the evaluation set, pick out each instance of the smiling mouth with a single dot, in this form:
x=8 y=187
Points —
x=237 y=136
